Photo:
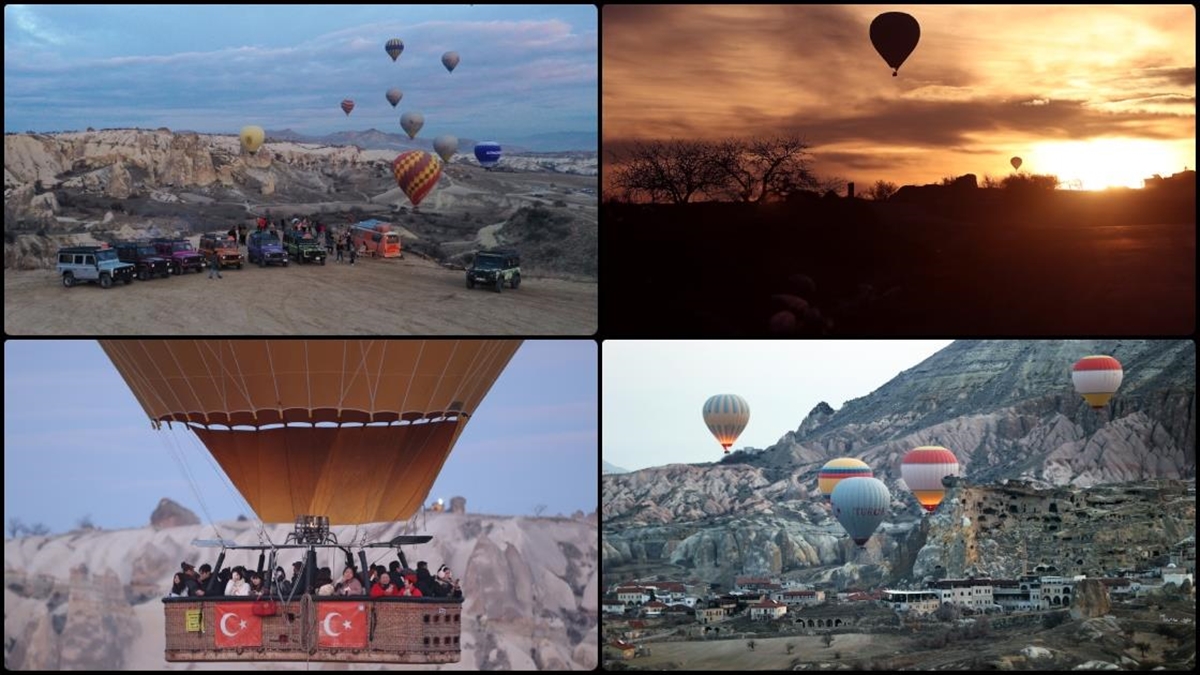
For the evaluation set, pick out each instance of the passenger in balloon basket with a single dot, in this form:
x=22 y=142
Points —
x=425 y=580
x=349 y=585
x=257 y=589
x=410 y=586
x=178 y=588
x=384 y=587
x=191 y=583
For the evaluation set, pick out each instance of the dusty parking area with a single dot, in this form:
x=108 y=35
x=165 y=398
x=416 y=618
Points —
x=373 y=297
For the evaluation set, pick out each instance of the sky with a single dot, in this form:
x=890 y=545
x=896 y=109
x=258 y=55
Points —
x=1100 y=96
x=77 y=443
x=654 y=390
x=523 y=69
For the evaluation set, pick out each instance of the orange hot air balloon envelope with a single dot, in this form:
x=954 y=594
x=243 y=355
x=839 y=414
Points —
x=237 y=394
x=1097 y=378
x=416 y=173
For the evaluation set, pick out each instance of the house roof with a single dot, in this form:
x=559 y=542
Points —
x=654 y=604
x=768 y=603
x=617 y=644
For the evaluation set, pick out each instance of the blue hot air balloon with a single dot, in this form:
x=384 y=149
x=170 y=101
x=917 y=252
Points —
x=860 y=504
x=488 y=154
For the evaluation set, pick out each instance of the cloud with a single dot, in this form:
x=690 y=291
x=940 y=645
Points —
x=27 y=21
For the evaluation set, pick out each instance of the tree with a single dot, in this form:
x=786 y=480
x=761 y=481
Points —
x=947 y=612
x=16 y=528
x=537 y=510
x=881 y=190
x=1186 y=587
x=827 y=639
x=85 y=523
x=667 y=171
x=756 y=170
x=750 y=644
x=1143 y=647
x=791 y=647
x=38 y=529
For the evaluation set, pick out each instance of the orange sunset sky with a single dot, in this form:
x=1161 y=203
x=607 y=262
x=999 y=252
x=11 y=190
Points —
x=1100 y=96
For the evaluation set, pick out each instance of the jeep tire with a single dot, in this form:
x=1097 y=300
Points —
x=470 y=284
x=499 y=282
x=68 y=279
x=143 y=274
x=516 y=281
x=177 y=269
x=105 y=281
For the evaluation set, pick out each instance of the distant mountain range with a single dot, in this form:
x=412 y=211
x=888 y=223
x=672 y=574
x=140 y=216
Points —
x=374 y=139
x=609 y=468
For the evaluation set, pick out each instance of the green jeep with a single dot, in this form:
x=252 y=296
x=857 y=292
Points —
x=303 y=246
x=493 y=269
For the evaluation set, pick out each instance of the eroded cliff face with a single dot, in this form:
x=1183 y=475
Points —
x=90 y=600
x=1008 y=411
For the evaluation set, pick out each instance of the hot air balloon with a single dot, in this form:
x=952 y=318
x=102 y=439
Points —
x=923 y=469
x=394 y=95
x=860 y=504
x=299 y=426
x=836 y=470
x=895 y=36
x=347 y=106
x=445 y=147
x=1016 y=162
x=394 y=47
x=412 y=122
x=1097 y=379
x=416 y=173
x=252 y=138
x=450 y=60
x=488 y=154
x=725 y=414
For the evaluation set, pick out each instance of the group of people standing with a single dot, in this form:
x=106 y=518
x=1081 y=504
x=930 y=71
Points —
x=383 y=582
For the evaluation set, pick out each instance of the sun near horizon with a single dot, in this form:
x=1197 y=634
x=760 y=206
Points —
x=1098 y=96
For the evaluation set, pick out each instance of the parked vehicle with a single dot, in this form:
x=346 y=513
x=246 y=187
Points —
x=93 y=264
x=264 y=248
x=225 y=248
x=145 y=257
x=181 y=253
x=493 y=269
x=377 y=238
x=304 y=247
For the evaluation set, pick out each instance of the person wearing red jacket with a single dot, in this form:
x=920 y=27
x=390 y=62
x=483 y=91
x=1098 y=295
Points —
x=384 y=587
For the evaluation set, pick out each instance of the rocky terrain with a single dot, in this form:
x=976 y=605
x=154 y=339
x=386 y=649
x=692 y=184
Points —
x=1092 y=490
x=90 y=599
x=78 y=187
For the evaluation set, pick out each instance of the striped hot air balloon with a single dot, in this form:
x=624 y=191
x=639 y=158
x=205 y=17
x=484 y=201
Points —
x=923 y=469
x=860 y=504
x=836 y=470
x=394 y=48
x=347 y=106
x=1097 y=378
x=416 y=173
x=726 y=416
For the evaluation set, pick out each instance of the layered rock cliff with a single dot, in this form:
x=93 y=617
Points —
x=1008 y=411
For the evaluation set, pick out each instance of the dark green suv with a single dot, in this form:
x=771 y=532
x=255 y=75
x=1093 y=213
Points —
x=493 y=269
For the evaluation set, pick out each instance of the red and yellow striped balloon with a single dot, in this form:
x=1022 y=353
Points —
x=837 y=470
x=923 y=469
x=1097 y=378
x=416 y=173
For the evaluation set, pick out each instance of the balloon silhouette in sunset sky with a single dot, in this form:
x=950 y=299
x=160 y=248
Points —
x=1099 y=96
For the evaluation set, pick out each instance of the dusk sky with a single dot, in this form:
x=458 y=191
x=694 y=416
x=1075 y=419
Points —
x=1099 y=96
x=654 y=390
x=523 y=69
x=77 y=442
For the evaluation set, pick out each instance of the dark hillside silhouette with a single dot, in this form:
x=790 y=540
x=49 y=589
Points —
x=952 y=259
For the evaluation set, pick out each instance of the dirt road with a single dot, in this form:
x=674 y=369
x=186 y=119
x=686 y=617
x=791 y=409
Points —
x=374 y=297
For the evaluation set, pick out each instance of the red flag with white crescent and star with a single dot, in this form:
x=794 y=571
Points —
x=342 y=624
x=236 y=626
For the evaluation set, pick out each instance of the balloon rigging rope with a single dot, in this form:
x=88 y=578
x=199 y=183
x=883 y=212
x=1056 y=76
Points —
x=416 y=367
x=175 y=449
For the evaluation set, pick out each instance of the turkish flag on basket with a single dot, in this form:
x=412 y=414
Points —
x=342 y=624
x=237 y=626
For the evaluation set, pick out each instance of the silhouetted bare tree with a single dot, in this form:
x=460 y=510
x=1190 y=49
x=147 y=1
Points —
x=881 y=190
x=755 y=170
x=667 y=171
